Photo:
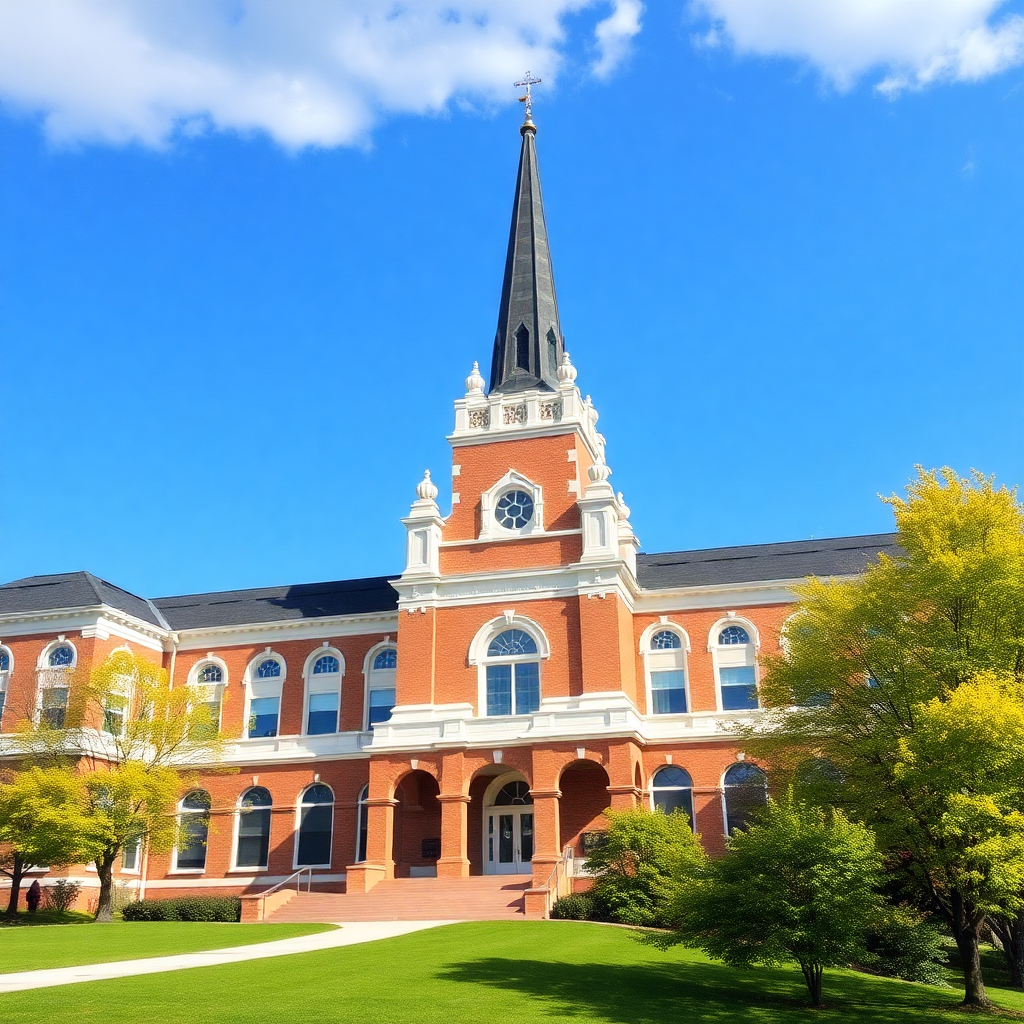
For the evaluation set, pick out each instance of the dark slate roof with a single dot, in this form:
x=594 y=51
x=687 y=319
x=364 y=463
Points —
x=757 y=563
x=528 y=308
x=278 y=604
x=73 y=590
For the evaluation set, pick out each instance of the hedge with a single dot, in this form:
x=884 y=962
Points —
x=185 y=908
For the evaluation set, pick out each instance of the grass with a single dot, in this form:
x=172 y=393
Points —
x=507 y=972
x=23 y=919
x=31 y=949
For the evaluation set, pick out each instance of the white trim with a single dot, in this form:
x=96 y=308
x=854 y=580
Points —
x=250 y=681
x=732 y=619
x=175 y=870
x=665 y=625
x=298 y=825
x=729 y=653
x=490 y=528
x=487 y=807
x=307 y=675
x=43 y=661
x=317 y=629
x=237 y=825
x=384 y=645
x=722 y=791
x=478 y=655
x=651 y=787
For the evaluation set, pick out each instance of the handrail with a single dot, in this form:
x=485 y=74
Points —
x=552 y=882
x=297 y=875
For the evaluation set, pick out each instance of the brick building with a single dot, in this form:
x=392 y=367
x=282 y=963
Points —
x=476 y=715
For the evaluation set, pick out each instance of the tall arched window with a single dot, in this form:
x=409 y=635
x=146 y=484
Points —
x=193 y=831
x=672 y=790
x=735 y=662
x=513 y=674
x=265 y=698
x=55 y=686
x=323 y=688
x=5 y=677
x=209 y=691
x=380 y=689
x=253 y=847
x=744 y=790
x=666 y=667
x=316 y=824
x=362 y=824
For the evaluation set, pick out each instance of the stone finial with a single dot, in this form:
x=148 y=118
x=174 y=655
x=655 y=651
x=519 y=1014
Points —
x=624 y=509
x=599 y=472
x=426 y=489
x=566 y=371
x=475 y=381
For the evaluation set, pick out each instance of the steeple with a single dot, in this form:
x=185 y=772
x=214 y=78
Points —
x=528 y=345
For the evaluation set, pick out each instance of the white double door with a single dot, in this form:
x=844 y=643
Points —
x=508 y=840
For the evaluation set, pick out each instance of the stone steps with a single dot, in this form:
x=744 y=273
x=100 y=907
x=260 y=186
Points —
x=478 y=898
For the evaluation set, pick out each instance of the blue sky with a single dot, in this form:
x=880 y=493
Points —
x=787 y=272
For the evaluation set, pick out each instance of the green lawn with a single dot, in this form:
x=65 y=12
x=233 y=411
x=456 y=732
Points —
x=492 y=973
x=30 y=949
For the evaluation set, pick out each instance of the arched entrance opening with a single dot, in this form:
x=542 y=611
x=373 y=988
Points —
x=417 y=830
x=585 y=798
x=508 y=826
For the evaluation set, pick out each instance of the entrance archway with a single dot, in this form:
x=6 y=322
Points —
x=417 y=828
x=508 y=826
x=584 y=786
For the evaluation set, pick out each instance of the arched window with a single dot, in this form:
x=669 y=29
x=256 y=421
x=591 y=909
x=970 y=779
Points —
x=209 y=691
x=265 y=698
x=362 y=824
x=745 y=789
x=316 y=823
x=666 y=668
x=513 y=674
x=55 y=686
x=5 y=677
x=323 y=688
x=735 y=664
x=253 y=846
x=514 y=794
x=193 y=831
x=672 y=790
x=380 y=689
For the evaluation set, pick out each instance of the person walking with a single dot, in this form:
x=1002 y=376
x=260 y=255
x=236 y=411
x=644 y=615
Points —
x=33 y=896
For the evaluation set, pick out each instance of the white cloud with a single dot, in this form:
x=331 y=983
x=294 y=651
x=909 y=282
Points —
x=913 y=43
x=307 y=72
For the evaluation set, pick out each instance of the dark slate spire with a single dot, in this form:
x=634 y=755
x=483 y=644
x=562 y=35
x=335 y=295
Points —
x=528 y=346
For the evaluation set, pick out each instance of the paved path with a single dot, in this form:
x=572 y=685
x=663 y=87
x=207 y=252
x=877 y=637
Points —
x=346 y=935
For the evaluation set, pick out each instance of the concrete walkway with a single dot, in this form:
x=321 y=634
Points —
x=345 y=935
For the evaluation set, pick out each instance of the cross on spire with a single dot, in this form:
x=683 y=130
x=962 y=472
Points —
x=527 y=81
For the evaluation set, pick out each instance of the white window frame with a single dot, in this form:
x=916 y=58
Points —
x=180 y=813
x=308 y=678
x=234 y=869
x=364 y=795
x=490 y=528
x=725 y=655
x=386 y=644
x=298 y=824
x=5 y=676
x=722 y=789
x=47 y=677
x=256 y=687
x=197 y=686
x=137 y=870
x=478 y=655
x=693 y=802
x=664 y=624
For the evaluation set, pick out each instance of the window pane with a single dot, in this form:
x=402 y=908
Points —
x=499 y=689
x=323 y=713
x=253 y=838
x=511 y=642
x=269 y=669
x=669 y=800
x=315 y=834
x=666 y=640
x=130 y=856
x=382 y=703
x=738 y=690
x=386 y=659
x=733 y=635
x=192 y=841
x=527 y=688
x=263 y=716
x=669 y=692
x=327 y=664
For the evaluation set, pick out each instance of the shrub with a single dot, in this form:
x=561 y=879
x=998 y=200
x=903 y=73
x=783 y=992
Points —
x=185 y=908
x=902 y=944
x=61 y=896
x=646 y=858
x=577 y=906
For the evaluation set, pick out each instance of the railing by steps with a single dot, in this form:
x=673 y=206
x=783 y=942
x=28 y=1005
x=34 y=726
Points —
x=297 y=876
x=559 y=882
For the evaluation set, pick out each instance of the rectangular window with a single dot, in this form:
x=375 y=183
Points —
x=130 y=856
x=55 y=706
x=668 y=689
x=323 y=713
x=253 y=838
x=381 y=704
x=113 y=715
x=527 y=688
x=263 y=716
x=739 y=692
x=499 y=689
x=315 y=835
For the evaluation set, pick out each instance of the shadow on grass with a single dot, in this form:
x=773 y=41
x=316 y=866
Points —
x=656 y=993
x=24 y=919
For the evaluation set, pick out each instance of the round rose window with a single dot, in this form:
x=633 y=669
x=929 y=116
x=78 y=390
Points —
x=514 y=510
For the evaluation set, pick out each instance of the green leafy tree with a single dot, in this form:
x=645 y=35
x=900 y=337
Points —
x=644 y=858
x=800 y=883
x=43 y=820
x=872 y=672
x=137 y=741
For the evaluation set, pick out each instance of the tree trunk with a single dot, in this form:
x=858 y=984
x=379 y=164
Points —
x=105 y=871
x=17 y=872
x=1010 y=932
x=970 y=959
x=812 y=975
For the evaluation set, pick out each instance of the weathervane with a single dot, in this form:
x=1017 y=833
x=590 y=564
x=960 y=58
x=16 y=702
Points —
x=527 y=80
